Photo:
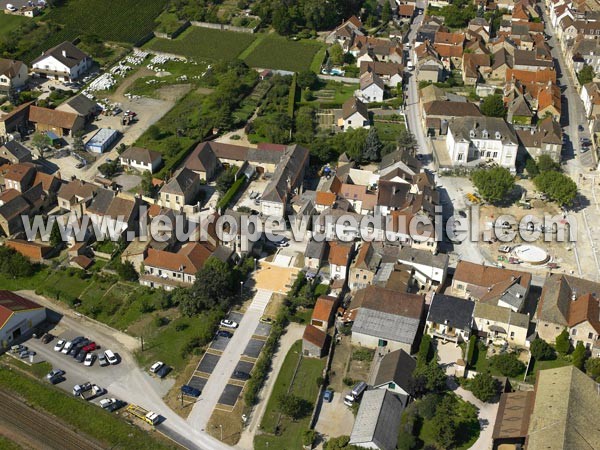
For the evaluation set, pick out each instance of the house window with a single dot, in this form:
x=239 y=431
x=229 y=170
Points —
x=590 y=335
x=512 y=334
x=460 y=156
x=495 y=154
x=573 y=332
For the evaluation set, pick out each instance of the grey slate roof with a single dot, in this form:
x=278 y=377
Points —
x=416 y=256
x=290 y=167
x=81 y=104
x=377 y=420
x=454 y=311
x=389 y=315
x=315 y=249
x=181 y=182
x=461 y=128
x=398 y=367
x=101 y=201
x=16 y=149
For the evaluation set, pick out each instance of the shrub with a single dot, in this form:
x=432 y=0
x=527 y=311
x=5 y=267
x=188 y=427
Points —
x=308 y=437
x=425 y=350
x=484 y=387
x=348 y=381
x=563 y=344
x=363 y=354
x=507 y=364
x=471 y=350
x=541 y=350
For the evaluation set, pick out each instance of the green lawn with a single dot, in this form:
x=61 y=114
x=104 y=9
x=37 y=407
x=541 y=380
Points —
x=331 y=92
x=276 y=52
x=304 y=386
x=81 y=415
x=204 y=44
x=560 y=361
x=8 y=23
x=388 y=132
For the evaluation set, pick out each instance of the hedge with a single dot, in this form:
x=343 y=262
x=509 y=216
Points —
x=471 y=350
x=224 y=201
x=292 y=97
x=425 y=349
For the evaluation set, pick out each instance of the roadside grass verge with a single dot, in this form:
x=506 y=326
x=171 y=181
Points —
x=84 y=416
x=204 y=44
x=276 y=52
x=305 y=386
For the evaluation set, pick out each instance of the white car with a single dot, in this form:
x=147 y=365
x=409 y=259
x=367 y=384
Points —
x=67 y=347
x=156 y=366
x=89 y=359
x=10 y=7
x=59 y=345
x=229 y=323
x=55 y=373
x=110 y=356
x=106 y=402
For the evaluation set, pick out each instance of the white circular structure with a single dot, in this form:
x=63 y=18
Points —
x=531 y=254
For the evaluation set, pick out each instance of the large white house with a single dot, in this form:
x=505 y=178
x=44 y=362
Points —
x=473 y=140
x=372 y=88
x=13 y=75
x=141 y=159
x=63 y=62
x=18 y=316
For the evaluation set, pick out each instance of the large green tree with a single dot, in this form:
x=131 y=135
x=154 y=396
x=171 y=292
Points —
x=372 y=149
x=541 y=350
x=558 y=186
x=508 y=364
x=493 y=106
x=579 y=355
x=563 y=343
x=484 y=387
x=586 y=74
x=592 y=367
x=493 y=184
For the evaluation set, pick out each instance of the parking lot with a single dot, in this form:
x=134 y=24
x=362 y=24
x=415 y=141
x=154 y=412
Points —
x=77 y=373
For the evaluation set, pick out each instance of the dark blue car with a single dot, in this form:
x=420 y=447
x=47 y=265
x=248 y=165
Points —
x=191 y=391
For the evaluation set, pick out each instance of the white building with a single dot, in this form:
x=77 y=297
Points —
x=354 y=115
x=13 y=75
x=141 y=159
x=474 y=140
x=372 y=88
x=18 y=316
x=64 y=62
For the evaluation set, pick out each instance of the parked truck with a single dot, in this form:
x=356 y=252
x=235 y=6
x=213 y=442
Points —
x=92 y=393
x=147 y=416
x=78 y=389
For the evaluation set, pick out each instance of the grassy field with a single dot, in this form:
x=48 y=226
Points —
x=305 y=386
x=125 y=21
x=82 y=415
x=8 y=23
x=331 y=92
x=388 y=132
x=204 y=44
x=276 y=52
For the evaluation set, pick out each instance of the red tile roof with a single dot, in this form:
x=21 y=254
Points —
x=324 y=308
x=11 y=303
x=339 y=253
x=189 y=259
x=315 y=336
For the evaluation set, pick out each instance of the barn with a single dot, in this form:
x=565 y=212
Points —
x=18 y=316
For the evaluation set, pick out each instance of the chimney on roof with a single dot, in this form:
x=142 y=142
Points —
x=574 y=294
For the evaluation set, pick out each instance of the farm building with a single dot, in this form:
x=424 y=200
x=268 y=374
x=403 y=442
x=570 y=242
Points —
x=61 y=123
x=18 y=316
x=102 y=140
x=63 y=62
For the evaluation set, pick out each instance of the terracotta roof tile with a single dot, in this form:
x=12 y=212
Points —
x=315 y=336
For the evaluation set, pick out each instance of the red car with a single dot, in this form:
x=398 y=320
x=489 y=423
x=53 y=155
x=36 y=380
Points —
x=90 y=347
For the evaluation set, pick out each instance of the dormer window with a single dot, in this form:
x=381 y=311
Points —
x=498 y=135
x=472 y=133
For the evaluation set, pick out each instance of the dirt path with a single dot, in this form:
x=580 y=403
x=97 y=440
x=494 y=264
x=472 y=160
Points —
x=293 y=333
x=38 y=430
x=118 y=95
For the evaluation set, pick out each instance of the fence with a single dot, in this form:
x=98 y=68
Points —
x=184 y=26
x=338 y=78
x=223 y=27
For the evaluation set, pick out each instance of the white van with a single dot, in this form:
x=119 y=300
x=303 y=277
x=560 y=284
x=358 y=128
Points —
x=358 y=389
x=110 y=356
x=348 y=400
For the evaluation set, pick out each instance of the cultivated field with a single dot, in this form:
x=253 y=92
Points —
x=124 y=21
x=204 y=44
x=276 y=52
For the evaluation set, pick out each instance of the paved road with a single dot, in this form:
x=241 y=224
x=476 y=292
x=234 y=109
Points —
x=125 y=381
x=203 y=409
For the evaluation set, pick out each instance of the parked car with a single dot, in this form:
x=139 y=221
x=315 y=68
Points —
x=26 y=354
x=102 y=360
x=229 y=323
x=224 y=334
x=111 y=404
x=89 y=359
x=18 y=348
x=156 y=366
x=80 y=165
x=67 y=347
x=328 y=396
x=505 y=249
x=241 y=375
x=47 y=338
x=111 y=357
x=90 y=347
x=55 y=373
x=163 y=371
x=81 y=356
x=190 y=390
x=59 y=345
